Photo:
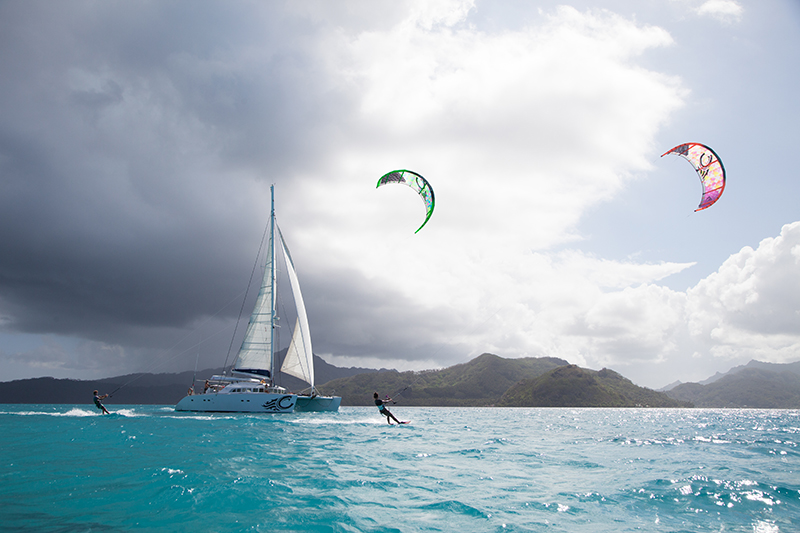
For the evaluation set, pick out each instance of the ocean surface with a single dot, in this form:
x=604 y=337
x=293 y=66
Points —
x=67 y=468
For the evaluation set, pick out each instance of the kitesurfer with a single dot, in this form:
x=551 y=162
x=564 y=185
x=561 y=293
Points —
x=99 y=404
x=384 y=411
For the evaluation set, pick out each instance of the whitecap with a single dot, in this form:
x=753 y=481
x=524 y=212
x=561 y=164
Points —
x=765 y=527
x=758 y=496
x=128 y=413
x=76 y=412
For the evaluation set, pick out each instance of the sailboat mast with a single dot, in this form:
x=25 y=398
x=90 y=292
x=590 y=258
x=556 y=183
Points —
x=273 y=279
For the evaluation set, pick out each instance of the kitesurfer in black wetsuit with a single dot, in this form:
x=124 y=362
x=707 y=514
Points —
x=384 y=411
x=99 y=404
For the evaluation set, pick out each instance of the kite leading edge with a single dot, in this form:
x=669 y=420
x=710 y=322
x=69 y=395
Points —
x=709 y=168
x=416 y=182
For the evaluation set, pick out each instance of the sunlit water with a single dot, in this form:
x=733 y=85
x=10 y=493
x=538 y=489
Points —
x=147 y=468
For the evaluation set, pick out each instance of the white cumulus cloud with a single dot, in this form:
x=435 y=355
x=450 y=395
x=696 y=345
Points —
x=750 y=306
x=723 y=10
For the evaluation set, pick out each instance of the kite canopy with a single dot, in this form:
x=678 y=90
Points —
x=708 y=166
x=416 y=182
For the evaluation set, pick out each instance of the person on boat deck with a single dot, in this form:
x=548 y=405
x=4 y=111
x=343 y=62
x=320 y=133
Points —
x=99 y=404
x=205 y=389
x=384 y=411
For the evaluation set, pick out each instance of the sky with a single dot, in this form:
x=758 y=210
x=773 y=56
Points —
x=139 y=140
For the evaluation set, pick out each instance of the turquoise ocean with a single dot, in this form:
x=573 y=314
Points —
x=66 y=468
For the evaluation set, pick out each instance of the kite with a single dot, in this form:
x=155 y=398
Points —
x=416 y=182
x=708 y=166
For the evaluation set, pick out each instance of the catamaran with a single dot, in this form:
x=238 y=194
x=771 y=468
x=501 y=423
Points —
x=250 y=387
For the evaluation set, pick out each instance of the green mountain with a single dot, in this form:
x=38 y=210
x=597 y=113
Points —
x=759 y=386
x=572 y=386
x=143 y=389
x=131 y=389
x=487 y=380
x=480 y=382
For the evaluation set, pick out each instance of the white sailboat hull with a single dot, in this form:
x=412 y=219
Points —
x=252 y=402
x=317 y=403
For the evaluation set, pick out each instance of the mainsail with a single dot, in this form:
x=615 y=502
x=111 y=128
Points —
x=255 y=355
x=299 y=357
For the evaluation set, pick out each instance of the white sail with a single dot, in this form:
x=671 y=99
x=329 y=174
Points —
x=299 y=360
x=256 y=350
x=295 y=363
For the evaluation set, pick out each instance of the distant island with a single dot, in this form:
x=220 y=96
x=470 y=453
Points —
x=486 y=381
x=755 y=385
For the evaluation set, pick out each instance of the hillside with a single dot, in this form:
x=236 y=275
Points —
x=153 y=389
x=759 y=365
x=757 y=386
x=487 y=380
x=572 y=386
x=480 y=382
x=144 y=389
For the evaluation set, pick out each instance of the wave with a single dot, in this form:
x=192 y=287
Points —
x=76 y=412
x=320 y=421
x=71 y=413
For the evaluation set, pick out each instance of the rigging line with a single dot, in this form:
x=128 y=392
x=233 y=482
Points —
x=401 y=391
x=244 y=300
x=422 y=373
x=160 y=363
x=194 y=376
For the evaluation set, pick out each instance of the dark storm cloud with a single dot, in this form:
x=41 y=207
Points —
x=136 y=146
x=354 y=316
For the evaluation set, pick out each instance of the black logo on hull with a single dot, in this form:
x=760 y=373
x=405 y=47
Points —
x=277 y=405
